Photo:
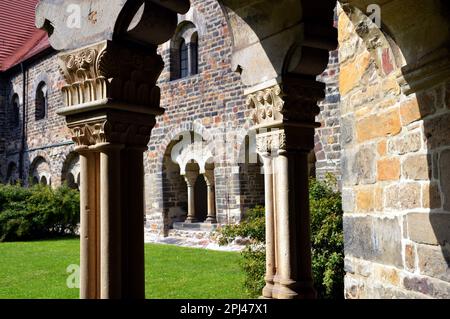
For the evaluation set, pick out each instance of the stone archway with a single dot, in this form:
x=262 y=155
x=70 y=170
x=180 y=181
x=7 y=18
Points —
x=40 y=171
x=278 y=65
x=70 y=171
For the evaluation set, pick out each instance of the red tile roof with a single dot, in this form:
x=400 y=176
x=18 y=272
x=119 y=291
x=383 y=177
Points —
x=19 y=38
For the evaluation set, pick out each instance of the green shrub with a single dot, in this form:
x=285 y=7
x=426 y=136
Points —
x=326 y=236
x=254 y=255
x=37 y=212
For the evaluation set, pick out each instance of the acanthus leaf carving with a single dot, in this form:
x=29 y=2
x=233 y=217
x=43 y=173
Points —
x=110 y=71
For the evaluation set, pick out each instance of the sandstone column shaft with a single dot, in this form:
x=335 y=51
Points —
x=191 y=177
x=293 y=278
x=209 y=179
x=133 y=285
x=88 y=227
x=110 y=207
x=270 y=235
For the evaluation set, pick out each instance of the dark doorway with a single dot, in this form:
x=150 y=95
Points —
x=201 y=199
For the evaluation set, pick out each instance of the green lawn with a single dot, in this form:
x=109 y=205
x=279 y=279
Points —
x=38 y=270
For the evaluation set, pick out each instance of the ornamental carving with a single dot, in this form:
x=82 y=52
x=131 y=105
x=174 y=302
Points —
x=266 y=104
x=110 y=131
x=268 y=143
x=108 y=72
x=295 y=102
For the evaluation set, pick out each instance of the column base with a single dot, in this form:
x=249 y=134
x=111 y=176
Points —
x=191 y=220
x=294 y=291
x=211 y=220
x=267 y=291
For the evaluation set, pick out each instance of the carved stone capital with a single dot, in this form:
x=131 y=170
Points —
x=191 y=177
x=209 y=177
x=295 y=101
x=109 y=72
x=270 y=142
x=114 y=128
x=289 y=138
x=267 y=105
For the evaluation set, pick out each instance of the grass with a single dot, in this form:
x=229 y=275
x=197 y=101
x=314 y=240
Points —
x=37 y=270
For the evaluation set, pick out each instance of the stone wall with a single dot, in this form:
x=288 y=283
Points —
x=47 y=139
x=394 y=172
x=327 y=139
x=211 y=104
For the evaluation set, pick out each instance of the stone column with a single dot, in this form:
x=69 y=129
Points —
x=88 y=225
x=209 y=179
x=133 y=241
x=270 y=226
x=110 y=110
x=110 y=221
x=285 y=135
x=191 y=177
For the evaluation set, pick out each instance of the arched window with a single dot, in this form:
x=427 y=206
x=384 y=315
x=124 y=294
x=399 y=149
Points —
x=184 y=59
x=15 y=111
x=41 y=102
x=184 y=51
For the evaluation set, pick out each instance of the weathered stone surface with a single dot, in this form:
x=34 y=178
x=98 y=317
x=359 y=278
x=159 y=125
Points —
x=408 y=143
x=351 y=73
x=347 y=131
x=388 y=169
x=369 y=198
x=382 y=148
x=434 y=261
x=417 y=167
x=365 y=199
x=427 y=286
x=414 y=110
x=378 y=125
x=432 y=228
x=364 y=166
x=431 y=196
x=403 y=196
x=410 y=257
x=348 y=200
x=375 y=239
x=437 y=131
x=444 y=173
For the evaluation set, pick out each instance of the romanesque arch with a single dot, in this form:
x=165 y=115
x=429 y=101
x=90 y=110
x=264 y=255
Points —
x=40 y=171
x=70 y=173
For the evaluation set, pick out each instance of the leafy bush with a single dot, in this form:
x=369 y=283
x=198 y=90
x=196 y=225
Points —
x=326 y=236
x=254 y=255
x=37 y=212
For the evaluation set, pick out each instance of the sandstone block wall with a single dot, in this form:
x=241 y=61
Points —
x=394 y=164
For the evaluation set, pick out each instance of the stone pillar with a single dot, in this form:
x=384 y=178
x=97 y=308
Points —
x=110 y=221
x=110 y=110
x=89 y=257
x=133 y=241
x=209 y=179
x=191 y=177
x=285 y=135
x=270 y=226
